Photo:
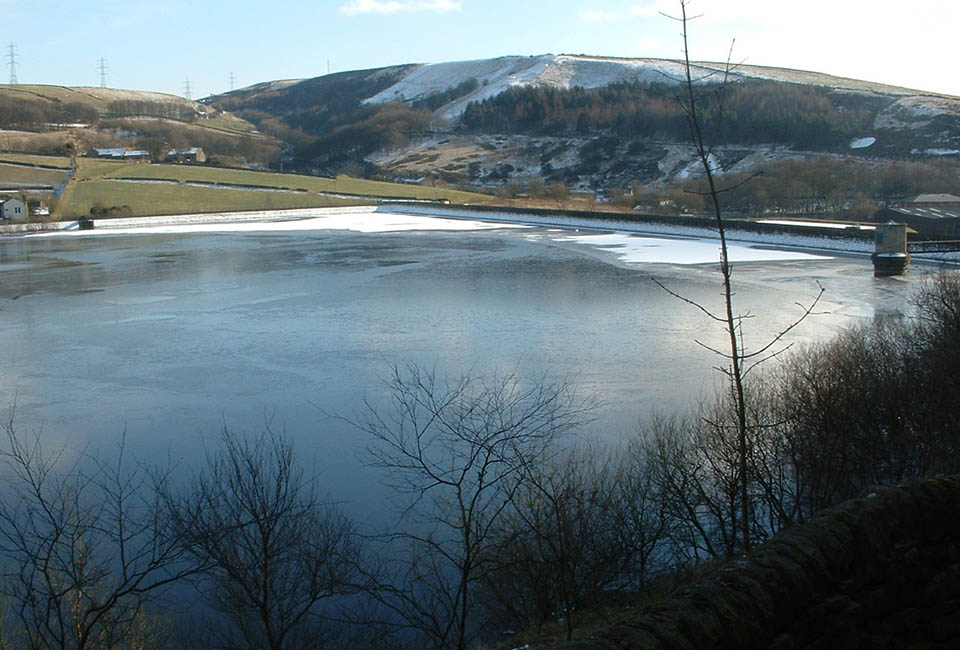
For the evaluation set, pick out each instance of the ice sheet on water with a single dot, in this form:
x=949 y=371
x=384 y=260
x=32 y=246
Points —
x=633 y=249
x=629 y=248
x=366 y=221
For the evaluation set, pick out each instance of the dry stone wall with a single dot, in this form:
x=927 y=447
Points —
x=879 y=571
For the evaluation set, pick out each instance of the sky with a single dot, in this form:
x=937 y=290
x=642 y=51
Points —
x=164 y=45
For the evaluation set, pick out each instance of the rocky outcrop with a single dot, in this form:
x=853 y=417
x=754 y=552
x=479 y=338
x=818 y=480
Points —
x=879 y=571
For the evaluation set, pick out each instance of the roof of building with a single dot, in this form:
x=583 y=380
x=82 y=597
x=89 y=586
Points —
x=116 y=152
x=120 y=152
x=928 y=213
x=932 y=198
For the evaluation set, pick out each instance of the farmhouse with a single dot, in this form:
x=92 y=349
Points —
x=194 y=154
x=930 y=214
x=12 y=209
x=119 y=153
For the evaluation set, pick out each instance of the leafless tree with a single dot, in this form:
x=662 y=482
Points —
x=877 y=404
x=576 y=528
x=84 y=547
x=738 y=360
x=270 y=547
x=697 y=472
x=456 y=452
x=640 y=512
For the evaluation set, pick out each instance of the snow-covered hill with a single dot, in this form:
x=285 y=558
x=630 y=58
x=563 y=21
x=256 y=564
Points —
x=566 y=71
x=877 y=122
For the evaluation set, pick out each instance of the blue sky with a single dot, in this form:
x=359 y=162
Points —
x=159 y=45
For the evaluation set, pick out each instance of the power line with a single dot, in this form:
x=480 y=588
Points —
x=103 y=72
x=12 y=59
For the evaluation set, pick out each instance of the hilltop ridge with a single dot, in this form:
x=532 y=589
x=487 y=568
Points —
x=591 y=122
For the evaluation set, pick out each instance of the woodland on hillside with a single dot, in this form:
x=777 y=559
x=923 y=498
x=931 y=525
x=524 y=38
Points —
x=838 y=187
x=29 y=114
x=753 y=112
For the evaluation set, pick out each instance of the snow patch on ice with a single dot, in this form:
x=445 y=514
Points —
x=863 y=143
x=936 y=152
x=140 y=300
x=367 y=220
x=635 y=249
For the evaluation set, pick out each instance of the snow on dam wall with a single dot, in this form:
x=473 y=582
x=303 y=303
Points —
x=880 y=571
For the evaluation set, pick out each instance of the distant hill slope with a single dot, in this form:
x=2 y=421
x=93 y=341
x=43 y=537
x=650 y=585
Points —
x=97 y=98
x=410 y=83
x=565 y=71
x=593 y=122
x=60 y=120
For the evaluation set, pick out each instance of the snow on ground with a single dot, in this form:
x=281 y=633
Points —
x=695 y=168
x=559 y=71
x=816 y=224
x=493 y=75
x=566 y=71
x=863 y=143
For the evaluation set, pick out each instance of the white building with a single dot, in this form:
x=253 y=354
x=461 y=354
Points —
x=12 y=209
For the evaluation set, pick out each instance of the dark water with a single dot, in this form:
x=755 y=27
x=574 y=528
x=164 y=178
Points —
x=170 y=337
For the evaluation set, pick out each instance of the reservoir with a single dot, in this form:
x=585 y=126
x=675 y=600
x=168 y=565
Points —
x=163 y=336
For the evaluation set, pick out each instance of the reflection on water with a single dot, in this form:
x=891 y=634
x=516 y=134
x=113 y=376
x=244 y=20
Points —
x=171 y=337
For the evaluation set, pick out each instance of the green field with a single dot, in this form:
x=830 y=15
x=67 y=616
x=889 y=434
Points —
x=88 y=168
x=98 y=182
x=148 y=199
x=32 y=159
x=98 y=98
x=341 y=184
x=52 y=94
x=227 y=124
x=13 y=174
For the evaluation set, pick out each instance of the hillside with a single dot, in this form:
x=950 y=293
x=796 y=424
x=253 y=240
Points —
x=60 y=120
x=96 y=98
x=594 y=123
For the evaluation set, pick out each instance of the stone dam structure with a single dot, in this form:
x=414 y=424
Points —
x=881 y=571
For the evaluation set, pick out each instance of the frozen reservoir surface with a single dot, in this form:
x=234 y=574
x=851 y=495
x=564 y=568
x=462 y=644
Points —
x=172 y=331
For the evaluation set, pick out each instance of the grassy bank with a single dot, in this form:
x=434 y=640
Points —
x=58 y=162
x=105 y=184
x=157 y=199
x=339 y=185
x=12 y=175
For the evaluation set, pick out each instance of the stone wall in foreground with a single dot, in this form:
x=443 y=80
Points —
x=879 y=571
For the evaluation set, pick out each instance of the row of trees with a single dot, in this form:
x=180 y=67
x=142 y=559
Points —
x=93 y=549
x=837 y=186
x=504 y=522
x=755 y=112
x=145 y=108
x=32 y=115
